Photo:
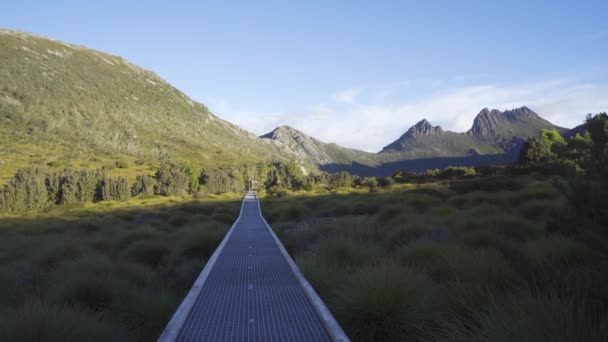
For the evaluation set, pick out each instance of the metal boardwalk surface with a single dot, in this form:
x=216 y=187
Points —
x=250 y=291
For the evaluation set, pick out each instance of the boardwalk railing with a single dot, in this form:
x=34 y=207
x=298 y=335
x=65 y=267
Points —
x=251 y=290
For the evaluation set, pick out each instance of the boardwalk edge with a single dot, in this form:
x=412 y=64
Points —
x=325 y=315
x=179 y=317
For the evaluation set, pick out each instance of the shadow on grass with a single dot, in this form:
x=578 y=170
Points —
x=104 y=273
x=470 y=260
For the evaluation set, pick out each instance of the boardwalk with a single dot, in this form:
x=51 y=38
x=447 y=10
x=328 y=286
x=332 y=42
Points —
x=250 y=290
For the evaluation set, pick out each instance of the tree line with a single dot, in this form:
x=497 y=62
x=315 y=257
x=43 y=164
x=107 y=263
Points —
x=582 y=164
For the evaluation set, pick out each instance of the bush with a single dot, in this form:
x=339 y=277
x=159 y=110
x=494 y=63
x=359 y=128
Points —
x=115 y=189
x=25 y=191
x=222 y=180
x=454 y=172
x=171 y=181
x=144 y=185
x=386 y=182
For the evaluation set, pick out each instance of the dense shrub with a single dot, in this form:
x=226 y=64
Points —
x=386 y=182
x=454 y=172
x=144 y=185
x=222 y=180
x=25 y=191
x=116 y=189
x=340 y=180
x=171 y=181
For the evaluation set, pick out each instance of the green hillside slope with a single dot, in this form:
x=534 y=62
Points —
x=61 y=103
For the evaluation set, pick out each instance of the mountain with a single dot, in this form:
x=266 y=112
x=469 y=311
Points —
x=580 y=129
x=66 y=104
x=521 y=122
x=311 y=151
x=493 y=132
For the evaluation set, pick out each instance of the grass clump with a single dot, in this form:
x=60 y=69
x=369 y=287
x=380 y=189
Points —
x=147 y=252
x=387 y=303
x=34 y=322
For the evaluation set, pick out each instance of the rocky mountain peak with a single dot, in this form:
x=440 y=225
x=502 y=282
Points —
x=494 y=122
x=424 y=127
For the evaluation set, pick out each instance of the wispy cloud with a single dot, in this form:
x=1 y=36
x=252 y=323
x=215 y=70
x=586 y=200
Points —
x=348 y=96
x=600 y=35
x=368 y=121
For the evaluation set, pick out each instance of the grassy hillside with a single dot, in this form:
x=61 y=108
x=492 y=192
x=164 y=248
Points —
x=67 y=104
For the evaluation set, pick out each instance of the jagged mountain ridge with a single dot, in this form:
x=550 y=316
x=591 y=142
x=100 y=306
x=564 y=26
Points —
x=492 y=132
x=67 y=102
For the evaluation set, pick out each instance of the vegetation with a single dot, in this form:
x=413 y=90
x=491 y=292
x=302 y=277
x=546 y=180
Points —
x=487 y=254
x=109 y=271
x=103 y=230
x=68 y=106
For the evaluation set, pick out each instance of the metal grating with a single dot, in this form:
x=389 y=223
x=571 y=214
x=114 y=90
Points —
x=251 y=293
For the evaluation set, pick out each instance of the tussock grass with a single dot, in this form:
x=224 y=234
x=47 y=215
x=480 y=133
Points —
x=147 y=252
x=33 y=322
x=473 y=260
x=105 y=271
x=387 y=303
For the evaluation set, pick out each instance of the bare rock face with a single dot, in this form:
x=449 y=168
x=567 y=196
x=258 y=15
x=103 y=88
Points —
x=308 y=150
x=424 y=128
x=496 y=123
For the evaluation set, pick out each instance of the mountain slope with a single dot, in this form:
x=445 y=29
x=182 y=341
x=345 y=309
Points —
x=66 y=105
x=493 y=132
x=59 y=100
x=309 y=150
x=521 y=122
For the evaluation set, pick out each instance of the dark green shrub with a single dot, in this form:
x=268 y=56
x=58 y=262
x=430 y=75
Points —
x=144 y=186
x=25 y=191
x=115 y=189
x=171 y=181
x=386 y=182
x=340 y=180
x=455 y=172
x=222 y=180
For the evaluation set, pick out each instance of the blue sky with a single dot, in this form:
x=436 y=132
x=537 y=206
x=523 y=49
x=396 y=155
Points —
x=358 y=73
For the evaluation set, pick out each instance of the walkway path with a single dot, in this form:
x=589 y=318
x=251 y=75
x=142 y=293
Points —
x=251 y=290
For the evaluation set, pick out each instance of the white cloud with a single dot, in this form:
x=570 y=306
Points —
x=348 y=96
x=370 y=125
